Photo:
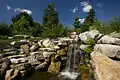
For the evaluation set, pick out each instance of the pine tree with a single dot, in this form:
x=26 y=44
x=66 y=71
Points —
x=91 y=18
x=76 y=23
x=50 y=22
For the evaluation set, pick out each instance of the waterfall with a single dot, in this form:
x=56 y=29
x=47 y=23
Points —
x=74 y=60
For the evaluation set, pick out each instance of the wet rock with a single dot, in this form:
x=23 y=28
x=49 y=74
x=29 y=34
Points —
x=41 y=66
x=24 y=68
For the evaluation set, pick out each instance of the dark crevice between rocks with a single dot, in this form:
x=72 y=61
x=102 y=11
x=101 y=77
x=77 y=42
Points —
x=115 y=58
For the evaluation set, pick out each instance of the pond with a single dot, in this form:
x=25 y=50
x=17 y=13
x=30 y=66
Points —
x=41 y=76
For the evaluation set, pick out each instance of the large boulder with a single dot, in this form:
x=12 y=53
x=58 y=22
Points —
x=109 y=40
x=115 y=34
x=94 y=34
x=54 y=67
x=104 y=67
x=108 y=50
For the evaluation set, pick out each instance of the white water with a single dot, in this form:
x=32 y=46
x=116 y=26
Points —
x=74 y=55
x=71 y=75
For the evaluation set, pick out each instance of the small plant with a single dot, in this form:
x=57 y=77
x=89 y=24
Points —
x=91 y=41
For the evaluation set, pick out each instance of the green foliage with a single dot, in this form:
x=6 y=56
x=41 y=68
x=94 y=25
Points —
x=54 y=32
x=91 y=41
x=107 y=28
x=67 y=31
x=76 y=23
x=90 y=19
x=36 y=30
x=4 y=29
x=51 y=26
x=24 y=24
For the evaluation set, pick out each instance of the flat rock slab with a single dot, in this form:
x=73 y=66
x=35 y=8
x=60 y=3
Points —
x=105 y=68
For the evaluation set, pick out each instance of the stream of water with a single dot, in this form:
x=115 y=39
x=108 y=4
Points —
x=70 y=72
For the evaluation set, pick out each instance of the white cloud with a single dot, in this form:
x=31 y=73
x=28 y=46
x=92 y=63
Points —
x=100 y=5
x=27 y=11
x=82 y=20
x=19 y=10
x=8 y=7
x=75 y=9
x=86 y=6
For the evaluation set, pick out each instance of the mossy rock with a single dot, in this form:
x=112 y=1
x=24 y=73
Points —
x=61 y=52
x=54 y=67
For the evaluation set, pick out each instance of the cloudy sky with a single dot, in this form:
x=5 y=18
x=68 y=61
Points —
x=68 y=9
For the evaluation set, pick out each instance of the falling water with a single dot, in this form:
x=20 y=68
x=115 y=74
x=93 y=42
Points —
x=74 y=60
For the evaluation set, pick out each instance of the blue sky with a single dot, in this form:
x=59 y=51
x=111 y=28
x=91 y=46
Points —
x=68 y=9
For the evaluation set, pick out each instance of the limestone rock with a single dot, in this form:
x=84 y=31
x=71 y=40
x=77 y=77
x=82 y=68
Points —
x=41 y=66
x=25 y=48
x=83 y=46
x=115 y=34
x=61 y=52
x=34 y=53
x=47 y=54
x=104 y=67
x=46 y=49
x=89 y=34
x=54 y=67
x=34 y=47
x=108 y=50
x=109 y=40
x=19 y=60
x=46 y=42
x=12 y=74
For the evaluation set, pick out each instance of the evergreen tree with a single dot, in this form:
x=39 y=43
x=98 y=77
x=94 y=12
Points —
x=91 y=18
x=50 y=22
x=76 y=23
